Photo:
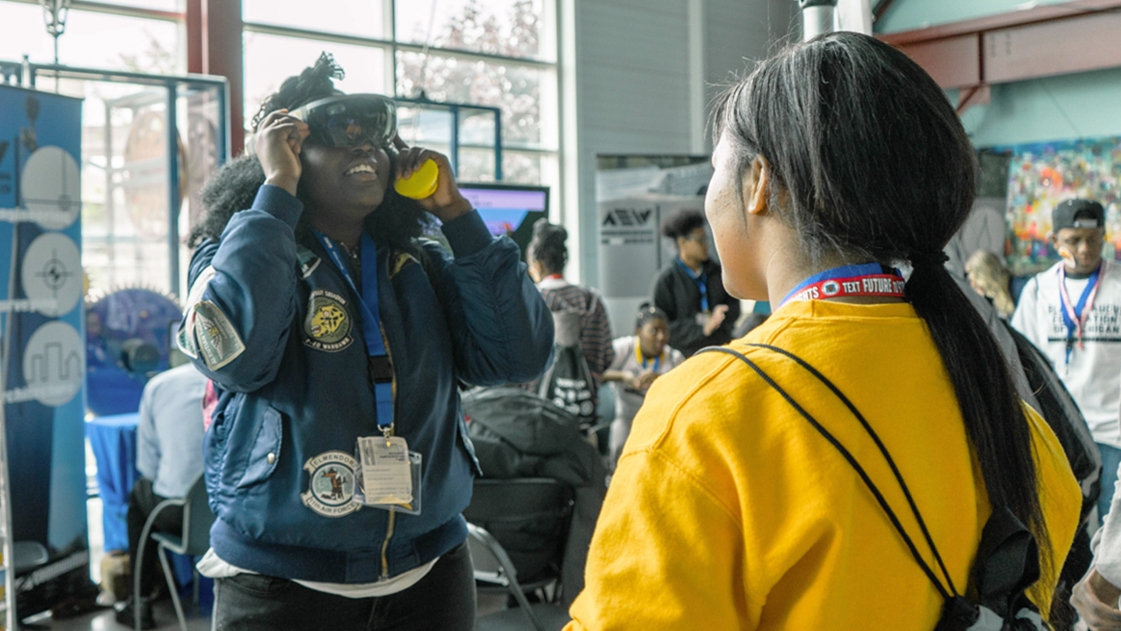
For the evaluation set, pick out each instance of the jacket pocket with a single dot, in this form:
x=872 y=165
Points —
x=265 y=453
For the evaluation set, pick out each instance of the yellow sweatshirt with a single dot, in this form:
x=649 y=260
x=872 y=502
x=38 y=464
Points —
x=729 y=511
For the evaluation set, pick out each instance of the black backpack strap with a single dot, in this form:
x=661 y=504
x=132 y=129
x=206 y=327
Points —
x=879 y=445
x=948 y=592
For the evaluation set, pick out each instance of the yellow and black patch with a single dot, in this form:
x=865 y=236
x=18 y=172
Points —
x=328 y=324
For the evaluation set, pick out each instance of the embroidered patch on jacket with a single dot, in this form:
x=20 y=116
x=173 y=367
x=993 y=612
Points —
x=186 y=337
x=331 y=484
x=215 y=337
x=328 y=324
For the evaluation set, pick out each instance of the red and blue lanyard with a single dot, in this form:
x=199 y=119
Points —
x=638 y=355
x=865 y=280
x=1075 y=316
x=702 y=283
x=371 y=323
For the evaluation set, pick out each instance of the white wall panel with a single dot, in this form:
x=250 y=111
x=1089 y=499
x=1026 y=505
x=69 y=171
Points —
x=632 y=83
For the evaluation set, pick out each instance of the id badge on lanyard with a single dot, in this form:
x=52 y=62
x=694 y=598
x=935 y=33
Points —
x=389 y=474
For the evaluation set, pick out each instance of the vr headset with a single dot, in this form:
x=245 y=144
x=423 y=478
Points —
x=348 y=120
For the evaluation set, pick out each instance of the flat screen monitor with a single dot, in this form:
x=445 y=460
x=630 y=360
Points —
x=509 y=209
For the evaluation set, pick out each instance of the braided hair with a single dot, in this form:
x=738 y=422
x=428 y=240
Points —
x=397 y=221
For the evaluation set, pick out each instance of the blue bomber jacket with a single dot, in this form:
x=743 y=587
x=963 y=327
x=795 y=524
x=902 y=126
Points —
x=277 y=328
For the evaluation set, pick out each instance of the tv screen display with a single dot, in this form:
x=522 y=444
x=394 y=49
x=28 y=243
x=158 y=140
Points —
x=509 y=209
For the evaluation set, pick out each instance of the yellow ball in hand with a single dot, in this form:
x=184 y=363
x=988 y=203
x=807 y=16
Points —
x=421 y=184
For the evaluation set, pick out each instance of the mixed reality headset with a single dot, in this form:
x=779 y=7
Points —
x=348 y=120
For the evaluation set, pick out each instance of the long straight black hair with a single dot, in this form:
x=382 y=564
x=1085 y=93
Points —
x=870 y=163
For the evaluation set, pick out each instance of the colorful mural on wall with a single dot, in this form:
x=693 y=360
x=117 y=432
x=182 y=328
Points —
x=1043 y=175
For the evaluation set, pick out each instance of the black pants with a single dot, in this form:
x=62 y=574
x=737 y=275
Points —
x=141 y=501
x=444 y=599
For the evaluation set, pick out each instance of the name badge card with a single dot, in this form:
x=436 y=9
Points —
x=386 y=470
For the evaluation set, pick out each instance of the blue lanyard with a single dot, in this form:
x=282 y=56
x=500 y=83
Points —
x=847 y=271
x=1074 y=318
x=642 y=357
x=702 y=283
x=371 y=318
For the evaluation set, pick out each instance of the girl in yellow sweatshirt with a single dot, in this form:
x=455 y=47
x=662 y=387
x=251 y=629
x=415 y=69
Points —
x=836 y=160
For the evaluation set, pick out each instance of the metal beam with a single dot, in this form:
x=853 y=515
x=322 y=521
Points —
x=1029 y=44
x=1046 y=13
x=214 y=48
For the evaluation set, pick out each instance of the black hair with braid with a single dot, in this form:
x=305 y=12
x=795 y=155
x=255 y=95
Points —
x=869 y=162
x=397 y=221
x=548 y=246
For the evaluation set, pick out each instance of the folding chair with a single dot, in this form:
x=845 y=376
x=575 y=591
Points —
x=493 y=565
x=529 y=517
x=197 y=519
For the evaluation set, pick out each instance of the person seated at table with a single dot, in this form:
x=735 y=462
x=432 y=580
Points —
x=169 y=458
x=639 y=360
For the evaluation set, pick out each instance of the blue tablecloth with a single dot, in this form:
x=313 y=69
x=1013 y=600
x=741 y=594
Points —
x=113 y=440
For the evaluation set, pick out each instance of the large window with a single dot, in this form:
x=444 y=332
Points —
x=136 y=40
x=497 y=53
x=500 y=54
x=124 y=148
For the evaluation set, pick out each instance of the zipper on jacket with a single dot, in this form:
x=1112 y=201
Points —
x=385 y=546
x=392 y=514
x=393 y=424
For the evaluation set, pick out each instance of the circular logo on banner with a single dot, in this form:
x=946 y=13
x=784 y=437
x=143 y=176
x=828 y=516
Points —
x=50 y=185
x=830 y=288
x=331 y=484
x=51 y=273
x=328 y=324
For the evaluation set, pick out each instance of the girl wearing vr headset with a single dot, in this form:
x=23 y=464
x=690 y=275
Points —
x=338 y=462
x=836 y=161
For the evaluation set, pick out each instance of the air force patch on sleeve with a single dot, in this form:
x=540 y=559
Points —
x=328 y=324
x=216 y=339
x=331 y=484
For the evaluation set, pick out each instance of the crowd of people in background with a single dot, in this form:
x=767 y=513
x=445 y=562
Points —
x=837 y=465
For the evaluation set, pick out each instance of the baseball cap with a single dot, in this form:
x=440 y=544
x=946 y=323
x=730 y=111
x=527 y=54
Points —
x=1078 y=213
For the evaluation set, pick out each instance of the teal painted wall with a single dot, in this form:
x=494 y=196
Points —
x=1083 y=105
x=905 y=15
x=1068 y=107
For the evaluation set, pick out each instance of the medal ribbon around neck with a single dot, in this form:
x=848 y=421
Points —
x=1075 y=315
x=371 y=319
x=642 y=358
x=850 y=281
